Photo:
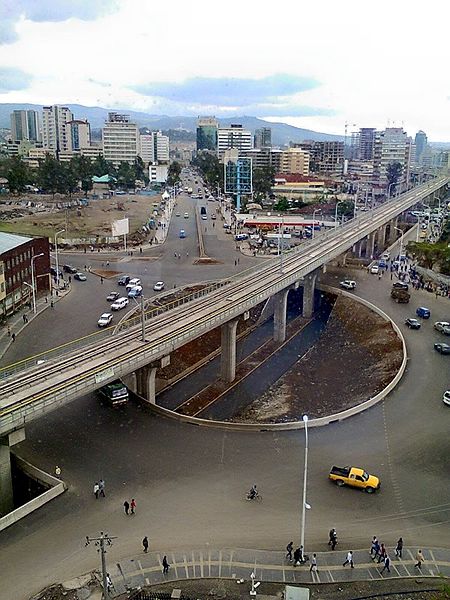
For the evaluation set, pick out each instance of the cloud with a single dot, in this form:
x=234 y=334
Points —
x=229 y=91
x=49 y=10
x=13 y=79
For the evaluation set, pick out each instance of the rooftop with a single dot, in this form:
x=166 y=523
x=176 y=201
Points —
x=9 y=241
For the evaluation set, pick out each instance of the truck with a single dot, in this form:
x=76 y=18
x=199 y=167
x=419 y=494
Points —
x=401 y=296
x=354 y=477
x=115 y=393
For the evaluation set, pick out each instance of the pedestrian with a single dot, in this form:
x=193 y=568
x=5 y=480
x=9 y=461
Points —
x=313 y=566
x=382 y=553
x=145 y=544
x=333 y=539
x=235 y=263
x=379 y=275
x=101 y=280
x=289 y=549
x=51 y=304
x=297 y=556
x=96 y=490
x=386 y=566
x=109 y=583
x=165 y=565
x=420 y=559
x=349 y=559
x=101 y=487
x=9 y=331
x=140 y=249
x=399 y=548
x=13 y=337
x=133 y=505
x=70 y=279
x=126 y=507
x=187 y=253
x=24 y=318
x=374 y=547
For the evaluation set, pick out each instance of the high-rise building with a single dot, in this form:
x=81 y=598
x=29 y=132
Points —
x=294 y=160
x=55 y=134
x=366 y=143
x=154 y=147
x=421 y=142
x=78 y=134
x=234 y=136
x=120 y=139
x=25 y=126
x=324 y=157
x=263 y=137
x=207 y=133
x=391 y=146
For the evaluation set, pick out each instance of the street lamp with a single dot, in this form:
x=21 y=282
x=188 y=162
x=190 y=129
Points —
x=305 y=473
x=56 y=253
x=318 y=210
x=401 y=239
x=389 y=189
x=336 y=211
x=33 y=258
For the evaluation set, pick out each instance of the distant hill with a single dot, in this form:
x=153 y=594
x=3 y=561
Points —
x=281 y=133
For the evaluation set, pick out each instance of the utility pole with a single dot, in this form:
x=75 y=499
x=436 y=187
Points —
x=101 y=542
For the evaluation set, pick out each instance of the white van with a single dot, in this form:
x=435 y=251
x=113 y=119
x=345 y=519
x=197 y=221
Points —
x=133 y=283
x=119 y=304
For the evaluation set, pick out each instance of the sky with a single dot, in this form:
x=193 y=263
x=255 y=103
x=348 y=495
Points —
x=317 y=65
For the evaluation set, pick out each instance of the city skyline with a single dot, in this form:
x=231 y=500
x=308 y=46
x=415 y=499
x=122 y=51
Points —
x=313 y=74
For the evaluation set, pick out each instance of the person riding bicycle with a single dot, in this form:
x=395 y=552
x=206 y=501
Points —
x=253 y=492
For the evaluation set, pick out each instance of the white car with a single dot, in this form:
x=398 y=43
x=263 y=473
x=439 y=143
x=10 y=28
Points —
x=375 y=269
x=386 y=255
x=446 y=398
x=119 y=304
x=133 y=283
x=105 y=320
x=186 y=215
x=348 y=284
x=159 y=286
x=204 y=217
x=443 y=327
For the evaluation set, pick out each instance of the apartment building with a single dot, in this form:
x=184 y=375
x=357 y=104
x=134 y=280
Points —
x=234 y=136
x=294 y=160
x=25 y=126
x=325 y=157
x=154 y=147
x=263 y=137
x=78 y=134
x=120 y=139
x=391 y=146
x=55 y=133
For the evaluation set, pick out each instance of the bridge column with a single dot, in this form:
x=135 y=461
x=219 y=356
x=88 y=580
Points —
x=393 y=232
x=309 y=284
x=279 y=316
x=146 y=377
x=228 y=356
x=6 y=487
x=370 y=248
x=381 y=237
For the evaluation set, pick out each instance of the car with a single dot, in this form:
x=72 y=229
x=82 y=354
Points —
x=105 y=320
x=182 y=234
x=186 y=215
x=374 y=269
x=386 y=255
x=159 y=286
x=382 y=264
x=69 y=269
x=204 y=217
x=240 y=237
x=123 y=280
x=80 y=276
x=213 y=217
x=443 y=327
x=423 y=312
x=54 y=272
x=134 y=292
x=400 y=285
x=442 y=348
x=177 y=214
x=446 y=398
x=119 y=303
x=412 y=323
x=133 y=283
x=112 y=296
x=348 y=284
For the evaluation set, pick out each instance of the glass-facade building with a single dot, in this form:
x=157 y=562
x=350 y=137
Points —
x=207 y=133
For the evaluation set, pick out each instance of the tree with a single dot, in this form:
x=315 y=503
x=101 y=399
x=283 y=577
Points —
x=174 y=173
x=50 y=175
x=139 y=169
x=393 y=172
x=346 y=208
x=282 y=204
x=263 y=180
x=83 y=169
x=101 y=167
x=125 y=175
x=17 y=173
x=209 y=166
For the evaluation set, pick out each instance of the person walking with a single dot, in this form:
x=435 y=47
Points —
x=145 y=544
x=313 y=566
x=420 y=559
x=289 y=549
x=399 y=548
x=13 y=337
x=101 y=280
x=165 y=565
x=126 y=507
x=51 y=304
x=96 y=490
x=382 y=553
x=297 y=556
x=349 y=559
x=133 y=505
x=375 y=547
x=101 y=485
x=333 y=538
x=386 y=566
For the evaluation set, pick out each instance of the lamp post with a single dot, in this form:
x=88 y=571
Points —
x=56 y=254
x=33 y=258
x=336 y=213
x=389 y=189
x=318 y=210
x=401 y=239
x=305 y=474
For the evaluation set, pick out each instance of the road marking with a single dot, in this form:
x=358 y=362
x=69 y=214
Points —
x=201 y=564
x=434 y=561
x=331 y=576
x=174 y=563
x=186 y=567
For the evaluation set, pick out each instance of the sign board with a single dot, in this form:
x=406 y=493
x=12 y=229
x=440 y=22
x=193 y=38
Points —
x=120 y=227
x=104 y=375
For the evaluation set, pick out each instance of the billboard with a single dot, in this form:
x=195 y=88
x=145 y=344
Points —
x=120 y=227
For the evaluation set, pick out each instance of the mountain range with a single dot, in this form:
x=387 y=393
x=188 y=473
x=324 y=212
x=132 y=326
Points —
x=282 y=133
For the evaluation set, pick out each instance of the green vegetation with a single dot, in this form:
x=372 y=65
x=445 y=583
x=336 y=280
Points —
x=263 y=180
x=211 y=169
x=393 y=172
x=173 y=175
x=431 y=256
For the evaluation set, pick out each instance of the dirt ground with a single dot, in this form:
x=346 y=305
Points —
x=353 y=360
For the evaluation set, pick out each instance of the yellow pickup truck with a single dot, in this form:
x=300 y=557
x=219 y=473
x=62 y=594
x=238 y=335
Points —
x=355 y=477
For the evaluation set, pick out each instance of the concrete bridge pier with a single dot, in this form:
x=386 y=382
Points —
x=381 y=237
x=146 y=377
x=279 y=316
x=392 y=231
x=228 y=356
x=6 y=487
x=309 y=285
x=370 y=248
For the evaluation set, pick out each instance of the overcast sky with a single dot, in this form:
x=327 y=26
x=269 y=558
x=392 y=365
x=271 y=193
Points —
x=312 y=64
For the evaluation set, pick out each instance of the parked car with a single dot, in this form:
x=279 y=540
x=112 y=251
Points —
x=123 y=280
x=119 y=303
x=374 y=269
x=400 y=285
x=423 y=312
x=135 y=292
x=446 y=398
x=348 y=284
x=186 y=215
x=54 y=272
x=241 y=237
x=442 y=348
x=112 y=296
x=69 y=269
x=105 y=320
x=133 y=283
x=159 y=286
x=443 y=327
x=386 y=255
x=412 y=323
x=80 y=276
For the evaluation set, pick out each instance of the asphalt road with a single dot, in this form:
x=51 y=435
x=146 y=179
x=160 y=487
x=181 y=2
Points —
x=189 y=482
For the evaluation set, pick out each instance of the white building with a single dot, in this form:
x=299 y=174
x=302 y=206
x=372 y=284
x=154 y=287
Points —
x=78 y=134
x=391 y=146
x=154 y=147
x=54 y=127
x=120 y=139
x=158 y=173
x=233 y=137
